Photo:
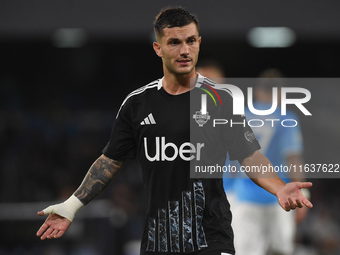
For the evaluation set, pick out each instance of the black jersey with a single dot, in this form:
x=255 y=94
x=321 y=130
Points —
x=185 y=215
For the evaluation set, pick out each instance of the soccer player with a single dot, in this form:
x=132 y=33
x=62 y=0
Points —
x=185 y=215
x=256 y=212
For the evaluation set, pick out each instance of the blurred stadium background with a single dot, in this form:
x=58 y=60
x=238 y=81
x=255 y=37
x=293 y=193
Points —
x=67 y=65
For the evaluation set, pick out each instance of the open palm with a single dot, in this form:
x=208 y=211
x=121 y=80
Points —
x=291 y=196
x=53 y=227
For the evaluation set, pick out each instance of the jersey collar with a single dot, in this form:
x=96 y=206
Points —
x=160 y=81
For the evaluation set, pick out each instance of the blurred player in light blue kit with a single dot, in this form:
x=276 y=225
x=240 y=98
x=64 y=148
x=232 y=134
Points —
x=260 y=226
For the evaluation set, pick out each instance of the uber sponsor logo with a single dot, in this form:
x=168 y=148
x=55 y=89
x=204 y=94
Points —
x=168 y=151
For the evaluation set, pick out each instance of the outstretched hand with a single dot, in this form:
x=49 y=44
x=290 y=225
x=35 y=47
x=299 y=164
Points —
x=53 y=227
x=59 y=218
x=290 y=196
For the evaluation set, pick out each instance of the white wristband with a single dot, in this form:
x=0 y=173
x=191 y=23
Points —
x=67 y=209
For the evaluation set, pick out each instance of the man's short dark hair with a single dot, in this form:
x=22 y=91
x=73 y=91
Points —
x=173 y=17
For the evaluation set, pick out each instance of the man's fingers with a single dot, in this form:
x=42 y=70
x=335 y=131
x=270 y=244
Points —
x=285 y=206
x=53 y=223
x=292 y=204
x=299 y=203
x=42 y=229
x=305 y=185
x=48 y=210
x=47 y=232
x=41 y=213
x=54 y=233
x=307 y=203
x=60 y=234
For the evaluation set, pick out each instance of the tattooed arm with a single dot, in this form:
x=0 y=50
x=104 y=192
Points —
x=100 y=175
x=60 y=217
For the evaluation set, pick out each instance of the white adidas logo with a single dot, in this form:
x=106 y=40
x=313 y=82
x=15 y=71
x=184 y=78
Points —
x=148 y=120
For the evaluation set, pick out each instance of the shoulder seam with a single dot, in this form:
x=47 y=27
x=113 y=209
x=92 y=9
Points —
x=216 y=85
x=138 y=91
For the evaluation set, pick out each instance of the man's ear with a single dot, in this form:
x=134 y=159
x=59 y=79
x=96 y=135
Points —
x=157 y=49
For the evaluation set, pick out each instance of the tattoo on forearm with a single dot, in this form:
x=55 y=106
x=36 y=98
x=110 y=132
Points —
x=99 y=176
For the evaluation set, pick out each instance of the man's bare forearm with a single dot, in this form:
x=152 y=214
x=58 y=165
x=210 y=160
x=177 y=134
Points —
x=268 y=180
x=99 y=176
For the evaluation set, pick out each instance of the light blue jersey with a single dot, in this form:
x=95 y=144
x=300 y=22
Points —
x=276 y=143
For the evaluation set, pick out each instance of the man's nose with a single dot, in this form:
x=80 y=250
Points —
x=184 y=49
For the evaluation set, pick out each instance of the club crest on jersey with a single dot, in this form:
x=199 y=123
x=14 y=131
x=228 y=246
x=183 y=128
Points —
x=250 y=136
x=201 y=118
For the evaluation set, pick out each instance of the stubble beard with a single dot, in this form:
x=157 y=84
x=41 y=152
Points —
x=177 y=71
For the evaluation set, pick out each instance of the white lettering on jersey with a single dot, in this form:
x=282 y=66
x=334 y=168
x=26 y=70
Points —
x=183 y=150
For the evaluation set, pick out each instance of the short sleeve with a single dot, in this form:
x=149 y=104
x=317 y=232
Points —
x=122 y=143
